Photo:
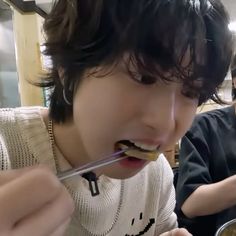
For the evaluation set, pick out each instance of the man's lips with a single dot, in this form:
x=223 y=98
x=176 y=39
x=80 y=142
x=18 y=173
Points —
x=132 y=162
x=137 y=152
x=145 y=142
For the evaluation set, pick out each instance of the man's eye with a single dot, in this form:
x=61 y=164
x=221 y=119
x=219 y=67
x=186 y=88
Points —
x=194 y=94
x=144 y=79
x=148 y=80
x=192 y=91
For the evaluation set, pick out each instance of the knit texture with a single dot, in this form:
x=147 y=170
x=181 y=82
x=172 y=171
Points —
x=141 y=205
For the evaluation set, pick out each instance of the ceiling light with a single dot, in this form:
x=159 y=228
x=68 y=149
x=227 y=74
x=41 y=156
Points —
x=232 y=26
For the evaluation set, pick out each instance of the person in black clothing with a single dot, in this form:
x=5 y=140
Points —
x=234 y=81
x=206 y=185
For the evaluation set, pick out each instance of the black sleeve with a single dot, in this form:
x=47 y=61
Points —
x=193 y=161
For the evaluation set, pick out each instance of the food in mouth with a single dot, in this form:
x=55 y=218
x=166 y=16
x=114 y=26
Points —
x=138 y=152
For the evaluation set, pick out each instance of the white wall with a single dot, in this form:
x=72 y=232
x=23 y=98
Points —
x=231 y=7
x=7 y=46
x=9 y=94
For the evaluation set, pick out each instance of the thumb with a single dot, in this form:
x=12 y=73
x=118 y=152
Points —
x=7 y=176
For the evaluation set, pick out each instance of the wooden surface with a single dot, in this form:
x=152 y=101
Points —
x=28 y=56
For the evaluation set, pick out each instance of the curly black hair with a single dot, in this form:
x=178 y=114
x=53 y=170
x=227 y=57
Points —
x=157 y=34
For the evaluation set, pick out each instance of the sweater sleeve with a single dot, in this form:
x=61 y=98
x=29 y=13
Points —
x=5 y=162
x=166 y=219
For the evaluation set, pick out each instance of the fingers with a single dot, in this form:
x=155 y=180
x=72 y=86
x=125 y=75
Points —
x=38 y=184
x=29 y=193
x=9 y=175
x=177 y=232
x=51 y=219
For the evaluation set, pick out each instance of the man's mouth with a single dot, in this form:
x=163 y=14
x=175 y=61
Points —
x=138 y=150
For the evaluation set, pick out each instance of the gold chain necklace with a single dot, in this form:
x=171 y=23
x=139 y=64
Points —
x=52 y=141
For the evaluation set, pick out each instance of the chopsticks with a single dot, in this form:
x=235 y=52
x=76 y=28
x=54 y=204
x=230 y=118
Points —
x=114 y=157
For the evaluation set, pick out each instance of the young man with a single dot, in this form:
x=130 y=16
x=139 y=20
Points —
x=123 y=71
x=206 y=181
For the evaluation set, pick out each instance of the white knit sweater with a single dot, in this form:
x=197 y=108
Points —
x=141 y=205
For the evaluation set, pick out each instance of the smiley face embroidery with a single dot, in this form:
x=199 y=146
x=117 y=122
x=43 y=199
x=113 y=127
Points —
x=146 y=228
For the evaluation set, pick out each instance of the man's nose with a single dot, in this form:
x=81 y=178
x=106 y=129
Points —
x=160 y=114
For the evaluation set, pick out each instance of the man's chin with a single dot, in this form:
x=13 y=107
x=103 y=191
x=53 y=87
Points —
x=122 y=174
